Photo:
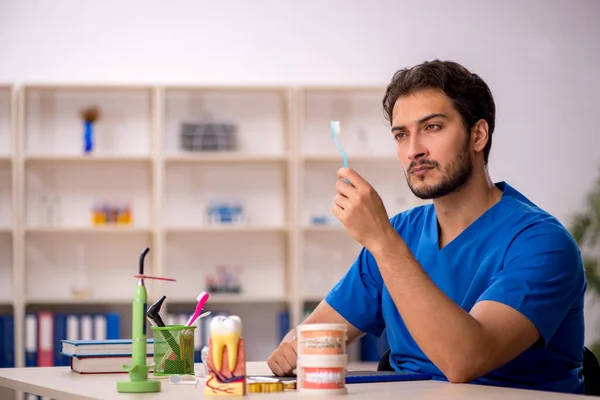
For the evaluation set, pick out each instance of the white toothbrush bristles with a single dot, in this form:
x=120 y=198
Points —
x=336 y=127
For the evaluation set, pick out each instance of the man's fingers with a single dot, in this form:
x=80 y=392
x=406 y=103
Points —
x=285 y=365
x=276 y=368
x=283 y=361
x=352 y=176
x=343 y=188
x=289 y=352
x=341 y=201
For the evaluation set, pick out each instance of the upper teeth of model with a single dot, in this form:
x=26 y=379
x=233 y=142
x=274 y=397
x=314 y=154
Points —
x=225 y=332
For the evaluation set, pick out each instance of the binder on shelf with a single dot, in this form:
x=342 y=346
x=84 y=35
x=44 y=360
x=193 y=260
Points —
x=100 y=327
x=31 y=330
x=45 y=331
x=284 y=325
x=7 y=342
x=59 y=332
x=45 y=339
x=87 y=327
x=113 y=325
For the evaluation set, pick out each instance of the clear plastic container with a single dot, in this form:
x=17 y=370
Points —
x=324 y=375
x=321 y=339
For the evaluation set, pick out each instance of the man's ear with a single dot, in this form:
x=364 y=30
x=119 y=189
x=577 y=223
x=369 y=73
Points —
x=479 y=135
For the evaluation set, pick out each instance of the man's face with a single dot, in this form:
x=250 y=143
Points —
x=431 y=143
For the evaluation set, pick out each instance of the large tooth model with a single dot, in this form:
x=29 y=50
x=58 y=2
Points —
x=227 y=358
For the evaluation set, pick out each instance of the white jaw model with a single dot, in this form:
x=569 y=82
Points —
x=225 y=332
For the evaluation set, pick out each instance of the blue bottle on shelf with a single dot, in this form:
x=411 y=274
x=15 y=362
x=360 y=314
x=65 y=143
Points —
x=88 y=137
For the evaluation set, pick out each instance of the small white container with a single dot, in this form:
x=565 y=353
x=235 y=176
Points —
x=321 y=339
x=322 y=375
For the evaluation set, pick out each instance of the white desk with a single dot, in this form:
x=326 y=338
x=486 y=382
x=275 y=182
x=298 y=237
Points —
x=62 y=384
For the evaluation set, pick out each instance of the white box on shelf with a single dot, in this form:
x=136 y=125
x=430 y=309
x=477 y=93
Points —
x=54 y=124
x=202 y=118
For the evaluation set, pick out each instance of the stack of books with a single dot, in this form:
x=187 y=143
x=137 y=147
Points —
x=102 y=356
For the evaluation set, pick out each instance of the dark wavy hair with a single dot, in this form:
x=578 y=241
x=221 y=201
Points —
x=470 y=95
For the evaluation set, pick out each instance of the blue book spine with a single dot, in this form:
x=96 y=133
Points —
x=284 y=325
x=7 y=342
x=113 y=326
x=3 y=348
x=60 y=333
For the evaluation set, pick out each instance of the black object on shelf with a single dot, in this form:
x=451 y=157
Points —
x=208 y=137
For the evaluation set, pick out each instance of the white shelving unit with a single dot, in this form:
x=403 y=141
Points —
x=287 y=248
x=7 y=193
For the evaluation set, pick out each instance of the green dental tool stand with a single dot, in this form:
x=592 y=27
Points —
x=138 y=371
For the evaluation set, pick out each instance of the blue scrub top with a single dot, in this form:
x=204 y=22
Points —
x=516 y=254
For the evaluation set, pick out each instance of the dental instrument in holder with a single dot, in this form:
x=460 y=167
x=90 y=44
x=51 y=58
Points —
x=196 y=316
x=155 y=319
x=153 y=312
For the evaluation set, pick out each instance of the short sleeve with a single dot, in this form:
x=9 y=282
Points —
x=542 y=277
x=357 y=296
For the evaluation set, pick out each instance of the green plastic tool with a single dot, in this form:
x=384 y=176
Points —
x=138 y=370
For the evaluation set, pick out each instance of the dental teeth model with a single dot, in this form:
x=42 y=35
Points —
x=227 y=359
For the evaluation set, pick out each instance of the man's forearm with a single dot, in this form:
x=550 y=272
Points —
x=452 y=339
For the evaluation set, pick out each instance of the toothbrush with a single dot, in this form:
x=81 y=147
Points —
x=202 y=299
x=335 y=132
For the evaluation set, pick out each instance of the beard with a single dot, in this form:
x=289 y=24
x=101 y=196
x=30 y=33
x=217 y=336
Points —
x=457 y=174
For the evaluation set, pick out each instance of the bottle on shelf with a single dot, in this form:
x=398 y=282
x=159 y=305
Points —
x=106 y=213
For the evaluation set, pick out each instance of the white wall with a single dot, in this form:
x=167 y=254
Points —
x=540 y=57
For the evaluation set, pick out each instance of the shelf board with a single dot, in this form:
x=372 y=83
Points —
x=84 y=158
x=84 y=87
x=228 y=228
x=223 y=157
x=225 y=298
x=210 y=87
x=5 y=159
x=88 y=229
x=324 y=228
x=337 y=158
x=77 y=300
x=5 y=230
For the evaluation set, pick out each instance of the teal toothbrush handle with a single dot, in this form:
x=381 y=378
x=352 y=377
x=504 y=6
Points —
x=339 y=146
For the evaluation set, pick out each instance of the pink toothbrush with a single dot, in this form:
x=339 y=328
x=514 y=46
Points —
x=202 y=299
